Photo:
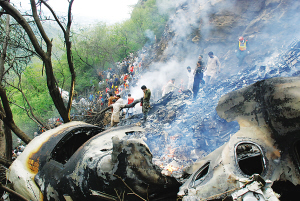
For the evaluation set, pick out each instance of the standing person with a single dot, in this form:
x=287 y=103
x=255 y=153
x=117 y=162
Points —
x=110 y=99
x=115 y=116
x=198 y=77
x=190 y=78
x=200 y=58
x=213 y=67
x=91 y=98
x=145 y=102
x=241 y=51
x=129 y=110
x=131 y=69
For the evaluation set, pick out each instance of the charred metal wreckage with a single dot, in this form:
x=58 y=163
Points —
x=77 y=161
x=74 y=161
x=264 y=150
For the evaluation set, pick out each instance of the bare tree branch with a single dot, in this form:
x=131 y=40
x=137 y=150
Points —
x=33 y=117
x=40 y=27
x=4 y=50
x=55 y=16
x=20 y=197
x=7 y=118
x=5 y=162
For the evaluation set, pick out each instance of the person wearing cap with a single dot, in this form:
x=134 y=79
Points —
x=242 y=50
x=213 y=67
x=145 y=102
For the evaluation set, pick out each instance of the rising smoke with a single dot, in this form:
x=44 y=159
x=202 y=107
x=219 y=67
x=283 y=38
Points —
x=218 y=24
x=200 y=26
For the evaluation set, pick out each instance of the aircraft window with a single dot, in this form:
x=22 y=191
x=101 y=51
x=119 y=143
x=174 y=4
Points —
x=198 y=178
x=71 y=142
x=250 y=159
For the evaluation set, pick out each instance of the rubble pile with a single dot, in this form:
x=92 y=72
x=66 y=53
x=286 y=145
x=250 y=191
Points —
x=192 y=144
x=179 y=130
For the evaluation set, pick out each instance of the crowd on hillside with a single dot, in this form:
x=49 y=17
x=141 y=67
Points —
x=115 y=83
x=112 y=82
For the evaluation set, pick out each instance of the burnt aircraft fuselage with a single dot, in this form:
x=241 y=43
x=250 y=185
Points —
x=77 y=161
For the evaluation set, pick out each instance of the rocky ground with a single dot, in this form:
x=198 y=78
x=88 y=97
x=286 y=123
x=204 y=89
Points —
x=180 y=130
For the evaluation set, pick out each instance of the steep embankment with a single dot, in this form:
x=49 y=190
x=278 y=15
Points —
x=201 y=26
x=181 y=129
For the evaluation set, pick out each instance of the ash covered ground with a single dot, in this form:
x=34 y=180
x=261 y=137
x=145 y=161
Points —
x=180 y=130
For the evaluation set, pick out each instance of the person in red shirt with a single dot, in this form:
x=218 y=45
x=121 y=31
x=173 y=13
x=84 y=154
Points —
x=125 y=77
x=131 y=70
x=129 y=112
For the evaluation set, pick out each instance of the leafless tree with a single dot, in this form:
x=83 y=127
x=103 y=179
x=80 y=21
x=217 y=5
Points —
x=38 y=44
x=45 y=53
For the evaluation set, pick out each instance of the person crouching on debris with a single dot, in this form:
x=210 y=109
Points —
x=170 y=86
x=115 y=116
x=242 y=50
x=145 y=102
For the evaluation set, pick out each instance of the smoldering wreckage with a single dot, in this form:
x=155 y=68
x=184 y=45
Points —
x=79 y=161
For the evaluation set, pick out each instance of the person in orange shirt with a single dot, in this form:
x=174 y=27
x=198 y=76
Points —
x=129 y=112
x=125 y=77
x=110 y=99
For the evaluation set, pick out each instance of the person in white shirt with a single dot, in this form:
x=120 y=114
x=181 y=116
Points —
x=213 y=67
x=190 y=78
x=115 y=116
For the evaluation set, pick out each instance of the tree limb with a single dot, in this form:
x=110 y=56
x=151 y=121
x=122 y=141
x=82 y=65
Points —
x=68 y=49
x=54 y=15
x=4 y=50
x=22 y=21
x=30 y=108
x=6 y=163
x=7 y=118
x=40 y=26
x=19 y=196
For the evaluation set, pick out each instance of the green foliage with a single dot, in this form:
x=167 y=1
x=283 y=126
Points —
x=95 y=48
x=99 y=47
x=35 y=88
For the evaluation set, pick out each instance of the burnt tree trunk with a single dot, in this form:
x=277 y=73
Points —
x=7 y=117
x=2 y=141
x=8 y=142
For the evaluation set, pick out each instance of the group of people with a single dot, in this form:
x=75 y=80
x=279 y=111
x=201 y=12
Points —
x=111 y=83
x=118 y=103
x=17 y=151
x=207 y=74
x=129 y=68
